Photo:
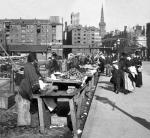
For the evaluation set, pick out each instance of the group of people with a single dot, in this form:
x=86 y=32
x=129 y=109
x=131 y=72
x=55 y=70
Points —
x=127 y=73
x=30 y=85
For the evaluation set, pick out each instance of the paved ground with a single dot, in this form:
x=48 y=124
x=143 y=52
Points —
x=118 y=115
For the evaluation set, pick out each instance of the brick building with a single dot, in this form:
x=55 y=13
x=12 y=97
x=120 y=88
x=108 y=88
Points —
x=31 y=31
x=79 y=35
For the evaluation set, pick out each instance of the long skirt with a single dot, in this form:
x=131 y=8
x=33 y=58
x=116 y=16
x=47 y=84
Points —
x=139 y=82
x=129 y=84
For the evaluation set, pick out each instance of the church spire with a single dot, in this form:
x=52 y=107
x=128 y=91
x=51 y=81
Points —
x=102 y=14
x=102 y=23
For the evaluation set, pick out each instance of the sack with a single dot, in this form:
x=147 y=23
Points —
x=23 y=107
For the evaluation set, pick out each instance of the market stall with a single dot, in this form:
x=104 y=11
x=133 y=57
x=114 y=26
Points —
x=71 y=87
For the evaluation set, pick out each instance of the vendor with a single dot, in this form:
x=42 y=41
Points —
x=30 y=83
x=53 y=65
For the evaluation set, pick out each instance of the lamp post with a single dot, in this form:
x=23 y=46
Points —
x=104 y=49
x=118 y=44
x=115 y=48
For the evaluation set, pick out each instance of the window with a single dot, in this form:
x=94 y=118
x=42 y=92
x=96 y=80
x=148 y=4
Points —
x=53 y=29
x=53 y=37
x=23 y=31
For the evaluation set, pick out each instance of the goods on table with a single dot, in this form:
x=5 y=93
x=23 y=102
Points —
x=75 y=74
x=6 y=65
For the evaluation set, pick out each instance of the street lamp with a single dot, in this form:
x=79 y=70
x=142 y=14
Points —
x=118 y=44
x=114 y=48
x=104 y=49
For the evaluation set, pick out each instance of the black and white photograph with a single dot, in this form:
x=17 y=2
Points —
x=75 y=69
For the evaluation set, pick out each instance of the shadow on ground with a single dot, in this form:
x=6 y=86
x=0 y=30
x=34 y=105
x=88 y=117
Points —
x=109 y=85
x=139 y=120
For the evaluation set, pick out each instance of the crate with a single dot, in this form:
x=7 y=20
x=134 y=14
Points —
x=7 y=100
x=56 y=120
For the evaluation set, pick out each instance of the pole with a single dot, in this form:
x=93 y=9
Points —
x=62 y=38
x=46 y=41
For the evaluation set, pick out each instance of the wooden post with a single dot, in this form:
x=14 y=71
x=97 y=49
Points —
x=73 y=117
x=41 y=114
x=79 y=108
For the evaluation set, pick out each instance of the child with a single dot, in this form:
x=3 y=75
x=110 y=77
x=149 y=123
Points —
x=116 y=77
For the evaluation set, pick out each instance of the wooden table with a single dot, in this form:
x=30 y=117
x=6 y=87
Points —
x=74 y=99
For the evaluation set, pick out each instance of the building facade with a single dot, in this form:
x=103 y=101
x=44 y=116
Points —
x=79 y=35
x=31 y=31
x=75 y=19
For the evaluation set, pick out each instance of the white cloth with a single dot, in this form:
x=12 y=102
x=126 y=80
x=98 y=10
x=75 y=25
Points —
x=129 y=85
x=42 y=85
x=133 y=71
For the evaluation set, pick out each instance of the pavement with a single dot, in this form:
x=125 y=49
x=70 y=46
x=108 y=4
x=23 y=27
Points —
x=114 y=115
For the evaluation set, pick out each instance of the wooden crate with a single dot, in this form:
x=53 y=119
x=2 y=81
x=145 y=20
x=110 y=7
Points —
x=56 y=120
x=7 y=100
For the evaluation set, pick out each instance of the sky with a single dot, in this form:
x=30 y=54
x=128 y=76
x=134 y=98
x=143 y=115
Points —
x=117 y=13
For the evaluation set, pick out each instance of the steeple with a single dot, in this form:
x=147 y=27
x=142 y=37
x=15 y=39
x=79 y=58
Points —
x=102 y=24
x=102 y=14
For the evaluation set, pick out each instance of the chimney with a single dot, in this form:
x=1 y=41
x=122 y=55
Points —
x=125 y=28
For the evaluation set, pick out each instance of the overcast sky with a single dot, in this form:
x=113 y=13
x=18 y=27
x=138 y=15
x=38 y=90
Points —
x=117 y=13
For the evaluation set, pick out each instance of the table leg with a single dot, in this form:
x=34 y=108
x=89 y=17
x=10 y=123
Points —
x=73 y=117
x=41 y=114
x=79 y=104
x=93 y=81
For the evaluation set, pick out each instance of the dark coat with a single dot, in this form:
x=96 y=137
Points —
x=30 y=80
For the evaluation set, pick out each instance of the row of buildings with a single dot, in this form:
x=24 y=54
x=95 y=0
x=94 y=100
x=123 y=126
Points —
x=46 y=33
x=31 y=31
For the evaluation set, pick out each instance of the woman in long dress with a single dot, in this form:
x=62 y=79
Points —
x=138 y=64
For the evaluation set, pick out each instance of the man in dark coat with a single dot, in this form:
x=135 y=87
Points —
x=30 y=83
